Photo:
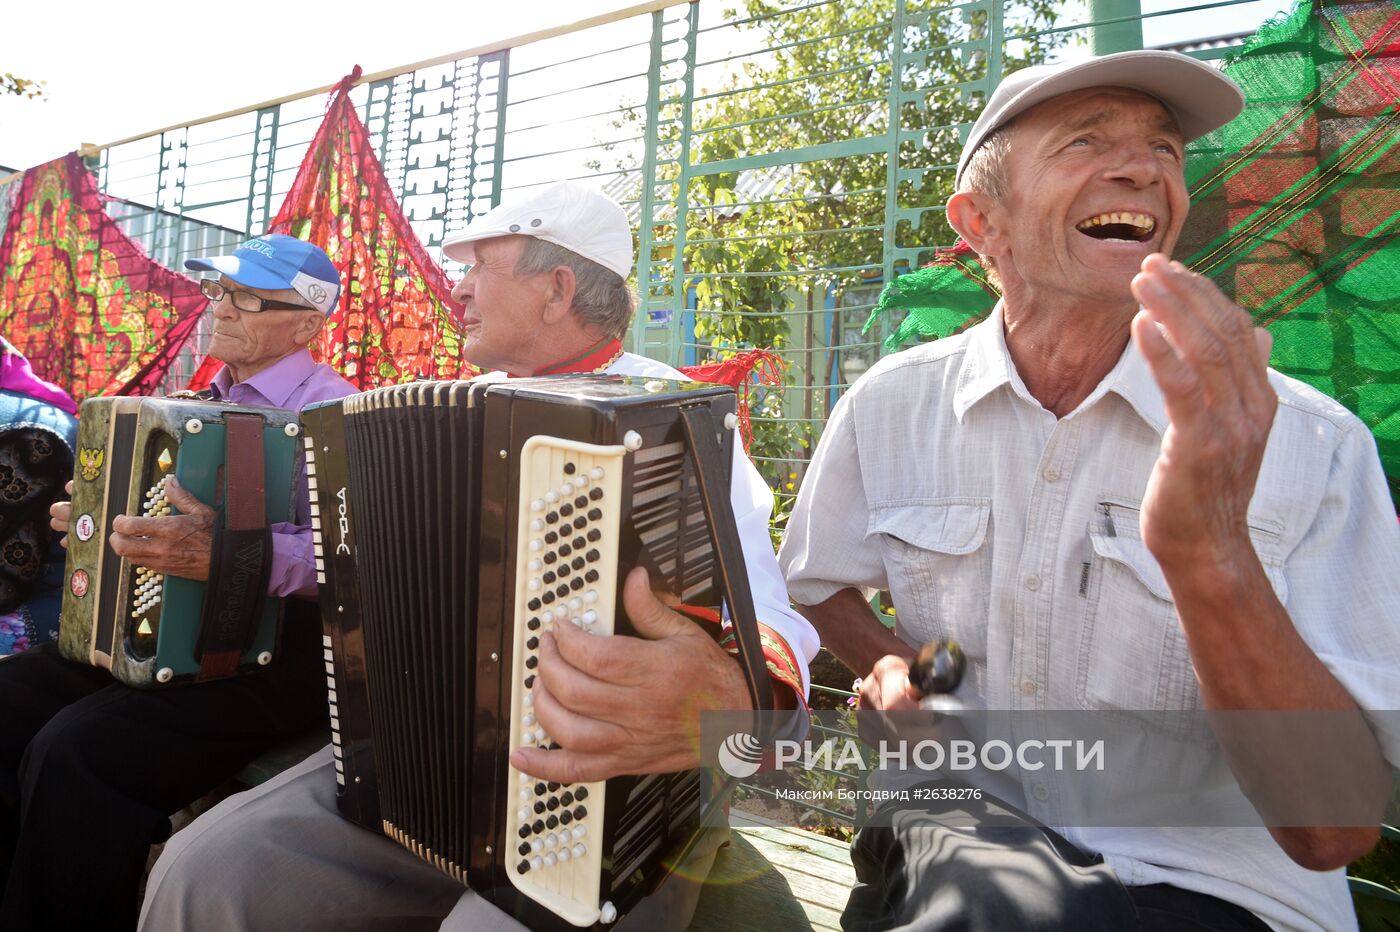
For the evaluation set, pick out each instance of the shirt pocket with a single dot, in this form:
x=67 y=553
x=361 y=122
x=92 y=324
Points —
x=938 y=562
x=1133 y=654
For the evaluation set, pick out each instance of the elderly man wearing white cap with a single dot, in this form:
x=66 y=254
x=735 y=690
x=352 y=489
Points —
x=1113 y=505
x=546 y=293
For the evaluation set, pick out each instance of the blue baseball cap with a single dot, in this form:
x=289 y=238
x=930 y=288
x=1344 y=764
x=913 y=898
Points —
x=274 y=262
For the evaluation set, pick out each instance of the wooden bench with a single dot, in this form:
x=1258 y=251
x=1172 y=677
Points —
x=773 y=877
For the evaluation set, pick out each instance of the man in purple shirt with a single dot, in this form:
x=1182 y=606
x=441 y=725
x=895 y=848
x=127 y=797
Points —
x=90 y=770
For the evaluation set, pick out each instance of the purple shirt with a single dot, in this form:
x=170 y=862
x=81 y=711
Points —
x=291 y=383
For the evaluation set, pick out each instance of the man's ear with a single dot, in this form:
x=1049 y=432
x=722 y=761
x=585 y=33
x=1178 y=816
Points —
x=308 y=326
x=560 y=299
x=980 y=220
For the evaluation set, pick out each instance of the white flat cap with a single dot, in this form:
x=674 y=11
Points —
x=581 y=219
x=1199 y=96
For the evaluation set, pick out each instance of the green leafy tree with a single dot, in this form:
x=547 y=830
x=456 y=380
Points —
x=767 y=249
x=21 y=87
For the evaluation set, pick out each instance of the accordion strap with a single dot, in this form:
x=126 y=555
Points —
x=240 y=563
x=712 y=476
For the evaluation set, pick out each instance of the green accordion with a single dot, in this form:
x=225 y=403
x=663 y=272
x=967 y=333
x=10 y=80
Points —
x=151 y=629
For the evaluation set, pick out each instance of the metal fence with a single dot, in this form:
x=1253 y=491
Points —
x=781 y=161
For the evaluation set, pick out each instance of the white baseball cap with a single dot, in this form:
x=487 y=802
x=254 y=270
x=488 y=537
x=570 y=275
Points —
x=580 y=219
x=1199 y=96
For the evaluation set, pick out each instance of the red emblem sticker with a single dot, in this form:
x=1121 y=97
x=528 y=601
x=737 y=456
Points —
x=79 y=583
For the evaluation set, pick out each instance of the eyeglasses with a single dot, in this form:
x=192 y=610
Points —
x=246 y=301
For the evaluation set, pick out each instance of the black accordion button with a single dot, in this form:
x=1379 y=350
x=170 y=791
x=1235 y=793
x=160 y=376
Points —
x=551 y=557
x=540 y=790
x=532 y=643
x=581 y=794
x=577 y=563
x=524 y=849
x=523 y=866
x=563 y=571
x=532 y=662
x=595 y=535
x=566 y=510
x=529 y=684
x=567 y=799
x=595 y=514
x=548 y=597
x=533 y=624
x=537 y=827
x=524 y=831
x=539 y=806
x=593 y=556
x=591 y=576
x=580 y=812
x=551 y=538
x=576 y=584
x=578 y=541
x=551 y=822
x=553 y=803
x=581 y=502
x=580 y=523
x=565 y=550
x=562 y=591
x=595 y=494
x=570 y=469
x=552 y=517
x=553 y=787
x=534 y=605
x=550 y=577
x=565 y=817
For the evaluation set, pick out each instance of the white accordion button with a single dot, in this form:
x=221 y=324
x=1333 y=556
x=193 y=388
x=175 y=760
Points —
x=537 y=505
x=579 y=831
x=528 y=720
x=580 y=850
x=580 y=482
x=566 y=489
x=564 y=855
x=533 y=585
x=536 y=545
x=537 y=525
x=595 y=473
x=551 y=497
x=536 y=862
x=549 y=860
x=524 y=814
x=589 y=617
x=551 y=840
x=575 y=603
x=561 y=613
x=536 y=566
x=536 y=846
x=590 y=596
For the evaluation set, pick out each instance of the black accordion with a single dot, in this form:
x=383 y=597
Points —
x=454 y=523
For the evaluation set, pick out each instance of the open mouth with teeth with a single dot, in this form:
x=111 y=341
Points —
x=1119 y=226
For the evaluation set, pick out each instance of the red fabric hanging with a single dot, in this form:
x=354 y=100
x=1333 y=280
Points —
x=79 y=299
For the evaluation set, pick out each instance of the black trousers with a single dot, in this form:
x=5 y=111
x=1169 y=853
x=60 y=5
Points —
x=91 y=770
x=984 y=866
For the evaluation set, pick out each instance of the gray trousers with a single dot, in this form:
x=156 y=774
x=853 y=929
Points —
x=281 y=857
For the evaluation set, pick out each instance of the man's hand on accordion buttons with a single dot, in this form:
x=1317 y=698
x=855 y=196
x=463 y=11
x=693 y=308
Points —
x=175 y=545
x=623 y=705
x=59 y=513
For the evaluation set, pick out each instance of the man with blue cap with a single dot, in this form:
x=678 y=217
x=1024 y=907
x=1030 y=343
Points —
x=90 y=770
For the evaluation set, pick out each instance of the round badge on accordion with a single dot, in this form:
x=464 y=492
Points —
x=79 y=583
x=85 y=527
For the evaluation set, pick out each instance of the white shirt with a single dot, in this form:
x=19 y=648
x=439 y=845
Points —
x=940 y=478
x=752 y=501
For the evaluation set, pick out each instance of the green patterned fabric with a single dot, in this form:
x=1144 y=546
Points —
x=1295 y=207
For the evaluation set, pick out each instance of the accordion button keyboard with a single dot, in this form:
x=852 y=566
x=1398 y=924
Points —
x=569 y=573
